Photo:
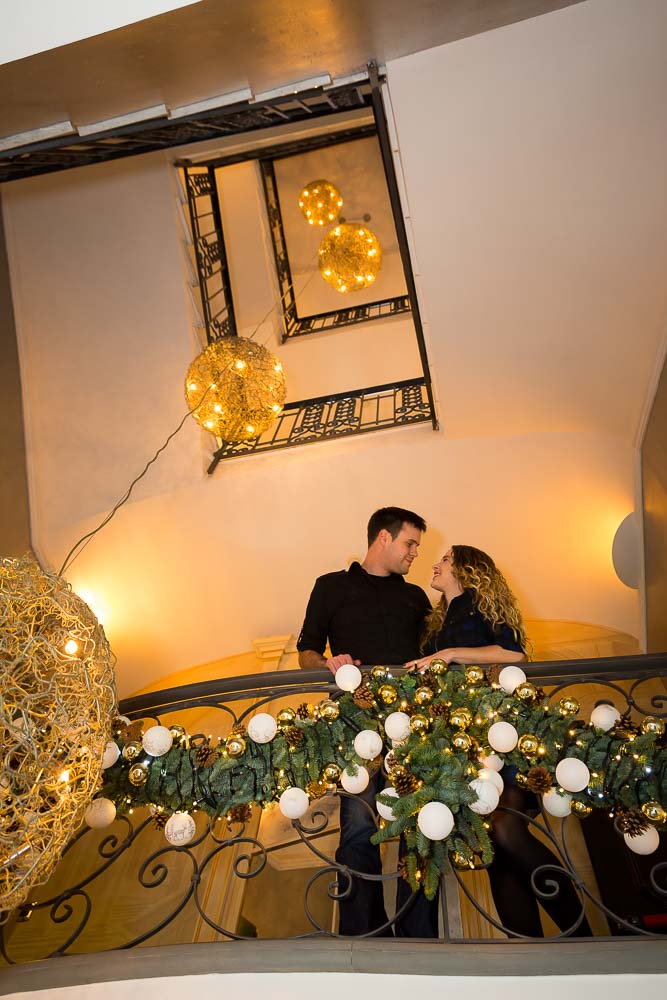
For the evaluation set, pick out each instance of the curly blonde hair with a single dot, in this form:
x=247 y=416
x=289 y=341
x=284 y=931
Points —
x=476 y=571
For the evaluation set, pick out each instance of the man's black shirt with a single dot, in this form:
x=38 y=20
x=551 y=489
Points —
x=376 y=619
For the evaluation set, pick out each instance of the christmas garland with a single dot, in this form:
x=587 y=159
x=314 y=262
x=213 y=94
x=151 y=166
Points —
x=439 y=733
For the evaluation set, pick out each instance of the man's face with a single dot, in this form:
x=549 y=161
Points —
x=401 y=552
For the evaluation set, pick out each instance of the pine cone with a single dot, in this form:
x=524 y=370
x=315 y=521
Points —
x=316 y=789
x=404 y=781
x=205 y=755
x=160 y=820
x=363 y=697
x=538 y=780
x=294 y=736
x=132 y=733
x=402 y=869
x=630 y=821
x=493 y=673
x=623 y=730
x=438 y=709
x=304 y=710
x=238 y=729
x=240 y=814
x=429 y=681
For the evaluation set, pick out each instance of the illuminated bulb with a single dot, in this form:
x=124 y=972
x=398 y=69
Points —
x=209 y=424
x=63 y=776
x=240 y=364
x=278 y=367
x=250 y=429
x=71 y=647
x=276 y=408
x=192 y=387
x=217 y=408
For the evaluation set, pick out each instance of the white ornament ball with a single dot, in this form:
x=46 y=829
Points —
x=605 y=717
x=262 y=727
x=100 y=813
x=492 y=761
x=488 y=774
x=110 y=755
x=509 y=678
x=556 y=804
x=487 y=797
x=502 y=736
x=435 y=820
x=386 y=811
x=368 y=744
x=293 y=803
x=397 y=726
x=355 y=783
x=572 y=774
x=180 y=829
x=157 y=741
x=348 y=677
x=644 y=843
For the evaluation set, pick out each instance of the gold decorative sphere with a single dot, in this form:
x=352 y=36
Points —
x=236 y=746
x=350 y=257
x=286 y=717
x=242 y=386
x=521 y=780
x=653 y=726
x=474 y=674
x=528 y=744
x=387 y=694
x=331 y=773
x=423 y=695
x=329 y=710
x=525 y=691
x=378 y=673
x=316 y=789
x=462 y=741
x=462 y=858
x=178 y=733
x=568 y=706
x=132 y=750
x=419 y=724
x=438 y=666
x=321 y=202
x=461 y=717
x=654 y=812
x=581 y=809
x=138 y=774
x=57 y=701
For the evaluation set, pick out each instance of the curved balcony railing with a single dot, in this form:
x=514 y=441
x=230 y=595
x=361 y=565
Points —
x=61 y=918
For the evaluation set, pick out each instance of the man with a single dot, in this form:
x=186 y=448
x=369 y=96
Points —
x=370 y=615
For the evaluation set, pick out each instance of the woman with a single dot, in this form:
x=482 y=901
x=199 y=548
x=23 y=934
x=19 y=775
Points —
x=477 y=620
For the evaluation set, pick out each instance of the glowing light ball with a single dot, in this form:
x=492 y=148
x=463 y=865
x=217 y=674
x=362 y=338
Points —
x=509 y=678
x=572 y=774
x=435 y=820
x=320 y=202
x=348 y=677
x=502 y=736
x=241 y=388
x=350 y=258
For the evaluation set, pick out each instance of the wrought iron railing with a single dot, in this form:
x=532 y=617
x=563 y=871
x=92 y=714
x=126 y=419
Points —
x=58 y=921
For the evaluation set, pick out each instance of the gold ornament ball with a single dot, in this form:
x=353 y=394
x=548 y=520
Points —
x=331 y=773
x=521 y=780
x=653 y=726
x=378 y=673
x=568 y=706
x=474 y=675
x=320 y=202
x=438 y=666
x=461 y=717
x=462 y=858
x=132 y=750
x=177 y=733
x=350 y=257
x=528 y=744
x=423 y=696
x=419 y=724
x=236 y=746
x=654 y=812
x=244 y=387
x=581 y=809
x=138 y=774
x=286 y=717
x=525 y=691
x=387 y=694
x=461 y=741
x=329 y=710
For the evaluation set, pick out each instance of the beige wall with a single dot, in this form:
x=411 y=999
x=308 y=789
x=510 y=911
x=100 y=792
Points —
x=654 y=481
x=541 y=357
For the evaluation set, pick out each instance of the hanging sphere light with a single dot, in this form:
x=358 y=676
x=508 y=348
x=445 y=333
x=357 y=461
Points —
x=58 y=697
x=242 y=386
x=350 y=257
x=321 y=202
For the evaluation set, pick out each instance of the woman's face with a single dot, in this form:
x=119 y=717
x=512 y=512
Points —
x=443 y=574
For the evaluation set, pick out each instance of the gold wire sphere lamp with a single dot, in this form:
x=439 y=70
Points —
x=350 y=257
x=242 y=386
x=58 y=699
x=321 y=202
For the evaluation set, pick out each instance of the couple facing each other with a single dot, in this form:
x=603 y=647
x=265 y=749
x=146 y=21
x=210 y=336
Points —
x=369 y=614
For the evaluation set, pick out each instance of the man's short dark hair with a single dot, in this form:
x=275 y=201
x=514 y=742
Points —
x=392 y=519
